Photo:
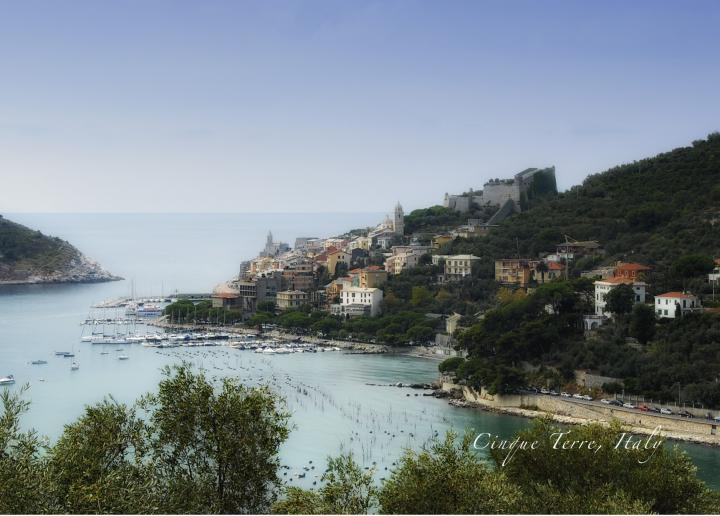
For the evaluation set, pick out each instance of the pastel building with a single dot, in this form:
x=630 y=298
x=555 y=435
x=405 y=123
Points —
x=675 y=304
x=603 y=287
x=358 y=301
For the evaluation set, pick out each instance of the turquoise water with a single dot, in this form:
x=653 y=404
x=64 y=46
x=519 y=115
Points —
x=333 y=407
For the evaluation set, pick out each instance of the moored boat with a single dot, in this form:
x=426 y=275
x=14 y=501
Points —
x=7 y=380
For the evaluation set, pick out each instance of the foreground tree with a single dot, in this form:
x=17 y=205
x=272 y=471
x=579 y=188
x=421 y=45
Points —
x=620 y=300
x=22 y=470
x=347 y=489
x=101 y=463
x=214 y=450
x=448 y=478
x=615 y=478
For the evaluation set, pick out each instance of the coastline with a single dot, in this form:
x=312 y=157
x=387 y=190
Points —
x=572 y=416
x=462 y=397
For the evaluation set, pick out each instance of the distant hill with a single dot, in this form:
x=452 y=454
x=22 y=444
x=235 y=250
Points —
x=28 y=256
x=652 y=211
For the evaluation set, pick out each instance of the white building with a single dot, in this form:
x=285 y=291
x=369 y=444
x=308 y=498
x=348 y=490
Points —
x=675 y=304
x=457 y=266
x=603 y=287
x=367 y=298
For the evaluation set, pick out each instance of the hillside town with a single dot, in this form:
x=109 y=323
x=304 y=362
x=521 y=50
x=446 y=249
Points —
x=345 y=276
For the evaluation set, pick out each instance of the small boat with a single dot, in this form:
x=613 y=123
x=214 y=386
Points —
x=7 y=380
x=75 y=366
x=68 y=355
x=123 y=357
x=104 y=352
x=38 y=362
x=61 y=353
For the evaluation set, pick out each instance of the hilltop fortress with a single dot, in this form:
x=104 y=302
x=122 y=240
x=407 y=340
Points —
x=498 y=192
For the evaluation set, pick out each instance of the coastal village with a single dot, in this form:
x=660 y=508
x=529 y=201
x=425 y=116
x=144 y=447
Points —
x=345 y=275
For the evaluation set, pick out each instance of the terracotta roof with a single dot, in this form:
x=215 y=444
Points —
x=373 y=268
x=680 y=295
x=717 y=261
x=632 y=267
x=555 y=266
x=618 y=280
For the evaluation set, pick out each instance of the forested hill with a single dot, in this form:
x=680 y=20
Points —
x=651 y=211
x=28 y=256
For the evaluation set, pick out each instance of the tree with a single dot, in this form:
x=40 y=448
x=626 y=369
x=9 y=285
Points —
x=447 y=478
x=450 y=365
x=266 y=306
x=642 y=323
x=22 y=468
x=214 y=450
x=98 y=464
x=692 y=265
x=542 y=268
x=347 y=489
x=613 y=478
x=620 y=299
x=420 y=296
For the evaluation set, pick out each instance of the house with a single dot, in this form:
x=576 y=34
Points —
x=372 y=277
x=225 y=295
x=675 y=304
x=298 y=276
x=714 y=276
x=439 y=241
x=458 y=266
x=515 y=271
x=291 y=299
x=333 y=290
x=334 y=258
x=630 y=270
x=358 y=301
x=572 y=250
x=603 y=287
x=554 y=271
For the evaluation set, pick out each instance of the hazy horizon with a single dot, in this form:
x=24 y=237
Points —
x=330 y=107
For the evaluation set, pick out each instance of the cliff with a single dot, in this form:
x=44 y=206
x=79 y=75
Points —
x=28 y=256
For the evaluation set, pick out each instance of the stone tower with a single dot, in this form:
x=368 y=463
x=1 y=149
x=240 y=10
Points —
x=399 y=220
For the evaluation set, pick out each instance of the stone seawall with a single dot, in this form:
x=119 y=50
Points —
x=578 y=412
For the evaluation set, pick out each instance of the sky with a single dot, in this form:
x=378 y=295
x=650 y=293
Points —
x=327 y=106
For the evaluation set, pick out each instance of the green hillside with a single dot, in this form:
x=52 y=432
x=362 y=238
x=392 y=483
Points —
x=28 y=256
x=652 y=211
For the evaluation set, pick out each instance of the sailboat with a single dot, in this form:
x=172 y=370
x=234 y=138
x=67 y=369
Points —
x=75 y=366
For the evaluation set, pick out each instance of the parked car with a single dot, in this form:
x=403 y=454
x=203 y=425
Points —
x=544 y=391
x=643 y=407
x=587 y=397
x=606 y=402
x=616 y=403
x=577 y=396
x=665 y=411
x=553 y=393
x=655 y=409
x=716 y=418
x=685 y=413
x=565 y=394
x=628 y=405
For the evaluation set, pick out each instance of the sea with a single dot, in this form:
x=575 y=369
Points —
x=339 y=403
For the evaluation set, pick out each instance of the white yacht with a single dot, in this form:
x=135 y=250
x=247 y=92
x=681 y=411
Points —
x=7 y=380
x=75 y=366
x=123 y=357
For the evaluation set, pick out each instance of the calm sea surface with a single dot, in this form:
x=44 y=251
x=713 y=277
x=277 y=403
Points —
x=333 y=407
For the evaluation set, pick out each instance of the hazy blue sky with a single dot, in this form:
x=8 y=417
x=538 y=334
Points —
x=339 y=105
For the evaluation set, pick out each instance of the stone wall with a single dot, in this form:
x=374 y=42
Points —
x=590 y=411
